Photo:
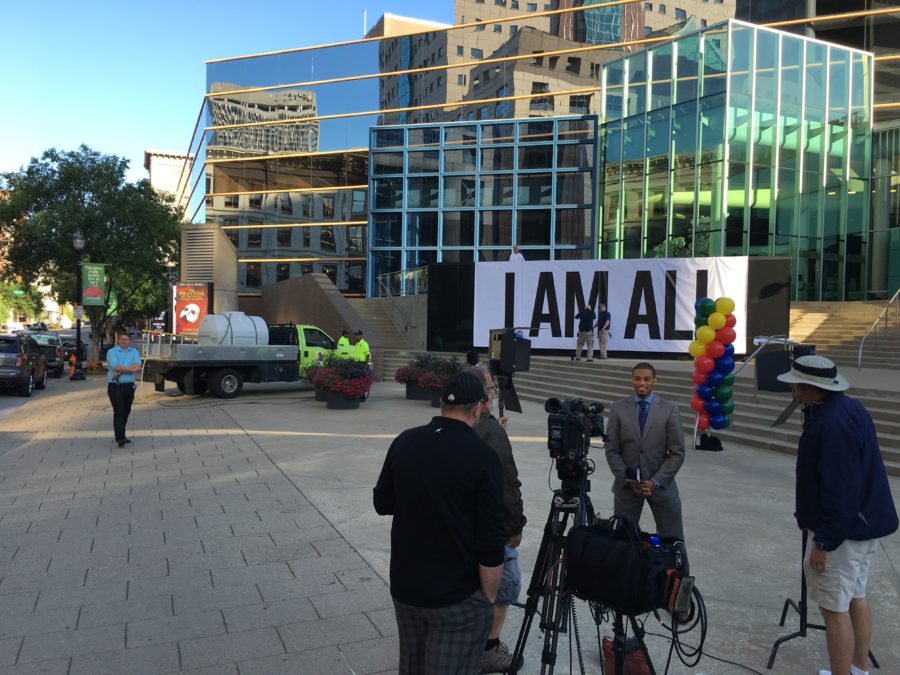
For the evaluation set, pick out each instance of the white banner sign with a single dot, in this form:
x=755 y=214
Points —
x=651 y=300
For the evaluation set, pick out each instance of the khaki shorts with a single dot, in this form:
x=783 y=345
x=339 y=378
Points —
x=844 y=578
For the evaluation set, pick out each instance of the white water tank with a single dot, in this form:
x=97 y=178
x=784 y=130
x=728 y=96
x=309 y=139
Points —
x=233 y=328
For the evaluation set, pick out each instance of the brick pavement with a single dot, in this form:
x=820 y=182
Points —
x=186 y=551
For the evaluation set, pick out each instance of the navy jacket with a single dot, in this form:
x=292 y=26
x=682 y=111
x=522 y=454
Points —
x=586 y=318
x=842 y=487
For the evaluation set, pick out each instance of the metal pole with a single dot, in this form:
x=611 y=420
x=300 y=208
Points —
x=79 y=372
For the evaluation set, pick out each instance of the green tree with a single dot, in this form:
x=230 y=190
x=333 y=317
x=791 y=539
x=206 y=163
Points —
x=19 y=299
x=130 y=227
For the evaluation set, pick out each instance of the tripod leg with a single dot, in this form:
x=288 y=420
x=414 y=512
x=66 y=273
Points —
x=549 y=553
x=639 y=634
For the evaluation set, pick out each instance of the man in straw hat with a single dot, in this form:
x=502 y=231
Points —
x=844 y=501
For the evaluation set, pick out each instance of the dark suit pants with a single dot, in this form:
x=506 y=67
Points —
x=665 y=505
x=121 y=396
x=443 y=640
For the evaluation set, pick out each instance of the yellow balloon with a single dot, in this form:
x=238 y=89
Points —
x=696 y=348
x=716 y=320
x=705 y=335
x=724 y=306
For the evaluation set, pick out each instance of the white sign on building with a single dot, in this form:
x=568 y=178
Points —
x=651 y=300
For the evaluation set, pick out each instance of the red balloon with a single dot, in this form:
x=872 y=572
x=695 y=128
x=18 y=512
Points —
x=715 y=349
x=726 y=335
x=704 y=364
x=730 y=320
x=698 y=378
x=703 y=422
x=698 y=404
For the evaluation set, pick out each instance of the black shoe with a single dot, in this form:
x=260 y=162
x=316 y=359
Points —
x=120 y=443
x=590 y=360
x=127 y=440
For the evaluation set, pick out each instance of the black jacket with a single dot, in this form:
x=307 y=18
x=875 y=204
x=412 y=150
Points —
x=444 y=487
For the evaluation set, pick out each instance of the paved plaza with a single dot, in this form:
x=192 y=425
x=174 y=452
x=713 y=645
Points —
x=239 y=537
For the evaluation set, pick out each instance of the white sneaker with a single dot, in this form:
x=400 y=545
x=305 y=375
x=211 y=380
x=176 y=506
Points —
x=824 y=672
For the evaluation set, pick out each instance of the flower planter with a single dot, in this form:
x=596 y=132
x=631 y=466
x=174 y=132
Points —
x=337 y=401
x=416 y=393
x=321 y=394
x=435 y=399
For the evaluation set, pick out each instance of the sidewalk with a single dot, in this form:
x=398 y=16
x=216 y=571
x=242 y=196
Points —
x=240 y=535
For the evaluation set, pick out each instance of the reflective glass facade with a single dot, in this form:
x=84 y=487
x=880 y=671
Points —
x=741 y=140
x=469 y=192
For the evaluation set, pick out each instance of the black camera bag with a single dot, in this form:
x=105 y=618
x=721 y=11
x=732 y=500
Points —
x=610 y=563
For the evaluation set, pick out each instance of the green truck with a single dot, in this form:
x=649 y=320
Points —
x=232 y=349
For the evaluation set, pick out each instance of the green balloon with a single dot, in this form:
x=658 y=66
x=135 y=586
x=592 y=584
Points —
x=728 y=379
x=723 y=393
x=707 y=307
x=726 y=407
x=699 y=321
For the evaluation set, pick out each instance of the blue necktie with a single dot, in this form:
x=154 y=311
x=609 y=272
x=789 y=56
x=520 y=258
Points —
x=642 y=413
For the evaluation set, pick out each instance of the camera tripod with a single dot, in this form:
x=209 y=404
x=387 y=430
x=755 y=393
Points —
x=548 y=589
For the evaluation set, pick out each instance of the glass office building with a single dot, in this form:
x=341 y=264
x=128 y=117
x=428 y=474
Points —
x=464 y=192
x=741 y=140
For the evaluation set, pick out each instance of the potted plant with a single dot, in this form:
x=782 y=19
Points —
x=425 y=375
x=409 y=375
x=348 y=382
x=321 y=377
x=311 y=373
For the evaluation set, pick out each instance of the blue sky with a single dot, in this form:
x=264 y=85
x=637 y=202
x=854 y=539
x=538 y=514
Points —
x=125 y=76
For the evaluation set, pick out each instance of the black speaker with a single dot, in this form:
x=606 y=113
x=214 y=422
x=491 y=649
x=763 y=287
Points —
x=512 y=354
x=769 y=366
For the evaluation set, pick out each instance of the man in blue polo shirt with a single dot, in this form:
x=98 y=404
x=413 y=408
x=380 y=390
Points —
x=123 y=362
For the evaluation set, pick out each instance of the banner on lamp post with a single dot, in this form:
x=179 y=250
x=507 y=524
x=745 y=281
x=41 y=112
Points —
x=93 y=284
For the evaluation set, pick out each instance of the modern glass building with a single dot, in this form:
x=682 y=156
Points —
x=384 y=154
x=464 y=192
x=741 y=140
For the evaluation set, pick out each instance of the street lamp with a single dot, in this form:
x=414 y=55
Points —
x=78 y=245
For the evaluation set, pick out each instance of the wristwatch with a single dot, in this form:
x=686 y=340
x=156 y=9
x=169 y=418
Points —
x=820 y=546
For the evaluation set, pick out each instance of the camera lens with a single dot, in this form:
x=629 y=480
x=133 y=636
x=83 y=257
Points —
x=552 y=405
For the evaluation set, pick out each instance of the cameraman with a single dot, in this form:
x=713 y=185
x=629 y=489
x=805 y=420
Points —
x=497 y=657
x=444 y=488
x=644 y=451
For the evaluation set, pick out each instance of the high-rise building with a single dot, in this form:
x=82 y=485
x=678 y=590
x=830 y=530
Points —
x=873 y=26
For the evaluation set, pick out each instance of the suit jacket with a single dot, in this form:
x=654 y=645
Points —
x=659 y=451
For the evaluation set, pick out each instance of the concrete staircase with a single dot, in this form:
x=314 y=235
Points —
x=389 y=337
x=836 y=328
x=607 y=381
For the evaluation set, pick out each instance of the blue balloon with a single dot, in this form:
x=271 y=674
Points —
x=704 y=391
x=724 y=364
x=729 y=350
x=698 y=301
x=713 y=407
x=718 y=421
x=714 y=378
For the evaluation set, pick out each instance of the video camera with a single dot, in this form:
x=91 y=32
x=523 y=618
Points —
x=570 y=426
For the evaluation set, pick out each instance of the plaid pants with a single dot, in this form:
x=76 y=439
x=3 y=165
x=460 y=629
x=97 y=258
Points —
x=443 y=640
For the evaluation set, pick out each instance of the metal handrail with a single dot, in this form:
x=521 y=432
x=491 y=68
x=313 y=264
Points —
x=385 y=287
x=884 y=315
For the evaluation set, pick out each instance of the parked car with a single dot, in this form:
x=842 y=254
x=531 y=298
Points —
x=52 y=347
x=22 y=364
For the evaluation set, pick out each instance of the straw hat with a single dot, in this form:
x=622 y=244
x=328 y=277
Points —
x=816 y=371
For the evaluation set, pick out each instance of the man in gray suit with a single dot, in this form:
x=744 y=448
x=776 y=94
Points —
x=644 y=452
